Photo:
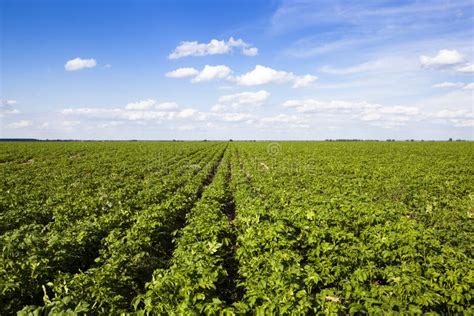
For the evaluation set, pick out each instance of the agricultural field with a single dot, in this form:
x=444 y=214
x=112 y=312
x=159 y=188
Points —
x=189 y=228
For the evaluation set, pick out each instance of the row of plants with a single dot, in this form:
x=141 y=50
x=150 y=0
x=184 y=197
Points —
x=128 y=257
x=200 y=278
x=251 y=228
x=35 y=254
x=347 y=236
x=44 y=186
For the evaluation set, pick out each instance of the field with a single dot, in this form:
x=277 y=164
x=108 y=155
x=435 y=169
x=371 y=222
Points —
x=237 y=227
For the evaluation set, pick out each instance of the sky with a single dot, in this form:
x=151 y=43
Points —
x=264 y=70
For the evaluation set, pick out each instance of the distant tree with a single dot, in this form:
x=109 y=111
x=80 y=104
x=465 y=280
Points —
x=450 y=139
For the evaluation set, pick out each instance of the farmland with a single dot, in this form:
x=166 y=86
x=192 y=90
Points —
x=236 y=227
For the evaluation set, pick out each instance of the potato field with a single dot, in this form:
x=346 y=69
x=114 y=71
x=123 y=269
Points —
x=236 y=228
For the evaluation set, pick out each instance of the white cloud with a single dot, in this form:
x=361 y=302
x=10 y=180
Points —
x=376 y=114
x=312 y=105
x=235 y=117
x=458 y=118
x=463 y=123
x=167 y=106
x=389 y=116
x=110 y=124
x=282 y=118
x=263 y=75
x=448 y=114
x=70 y=124
x=218 y=108
x=141 y=111
x=303 y=81
x=468 y=68
x=118 y=114
x=469 y=86
x=283 y=121
x=187 y=113
x=146 y=115
x=212 y=72
x=182 y=73
x=251 y=51
x=405 y=110
x=447 y=84
x=6 y=107
x=79 y=63
x=242 y=99
x=20 y=124
x=5 y=103
x=214 y=47
x=445 y=57
x=141 y=105
x=258 y=76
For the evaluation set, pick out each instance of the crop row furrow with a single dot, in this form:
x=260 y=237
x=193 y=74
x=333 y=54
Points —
x=192 y=284
x=50 y=251
x=129 y=256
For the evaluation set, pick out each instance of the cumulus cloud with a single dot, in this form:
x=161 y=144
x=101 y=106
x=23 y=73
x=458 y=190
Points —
x=206 y=74
x=79 y=63
x=312 y=105
x=243 y=99
x=251 y=51
x=447 y=84
x=383 y=116
x=467 y=68
x=235 y=117
x=187 y=113
x=212 y=72
x=284 y=120
x=182 y=73
x=20 y=124
x=391 y=116
x=445 y=57
x=258 y=76
x=458 y=118
x=141 y=105
x=140 y=111
x=70 y=124
x=117 y=114
x=6 y=103
x=303 y=81
x=263 y=75
x=453 y=114
x=214 y=47
x=469 y=86
x=110 y=124
x=167 y=106
x=7 y=107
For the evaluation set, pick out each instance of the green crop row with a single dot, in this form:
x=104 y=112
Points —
x=237 y=228
x=34 y=254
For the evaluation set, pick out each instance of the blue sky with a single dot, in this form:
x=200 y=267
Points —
x=237 y=69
